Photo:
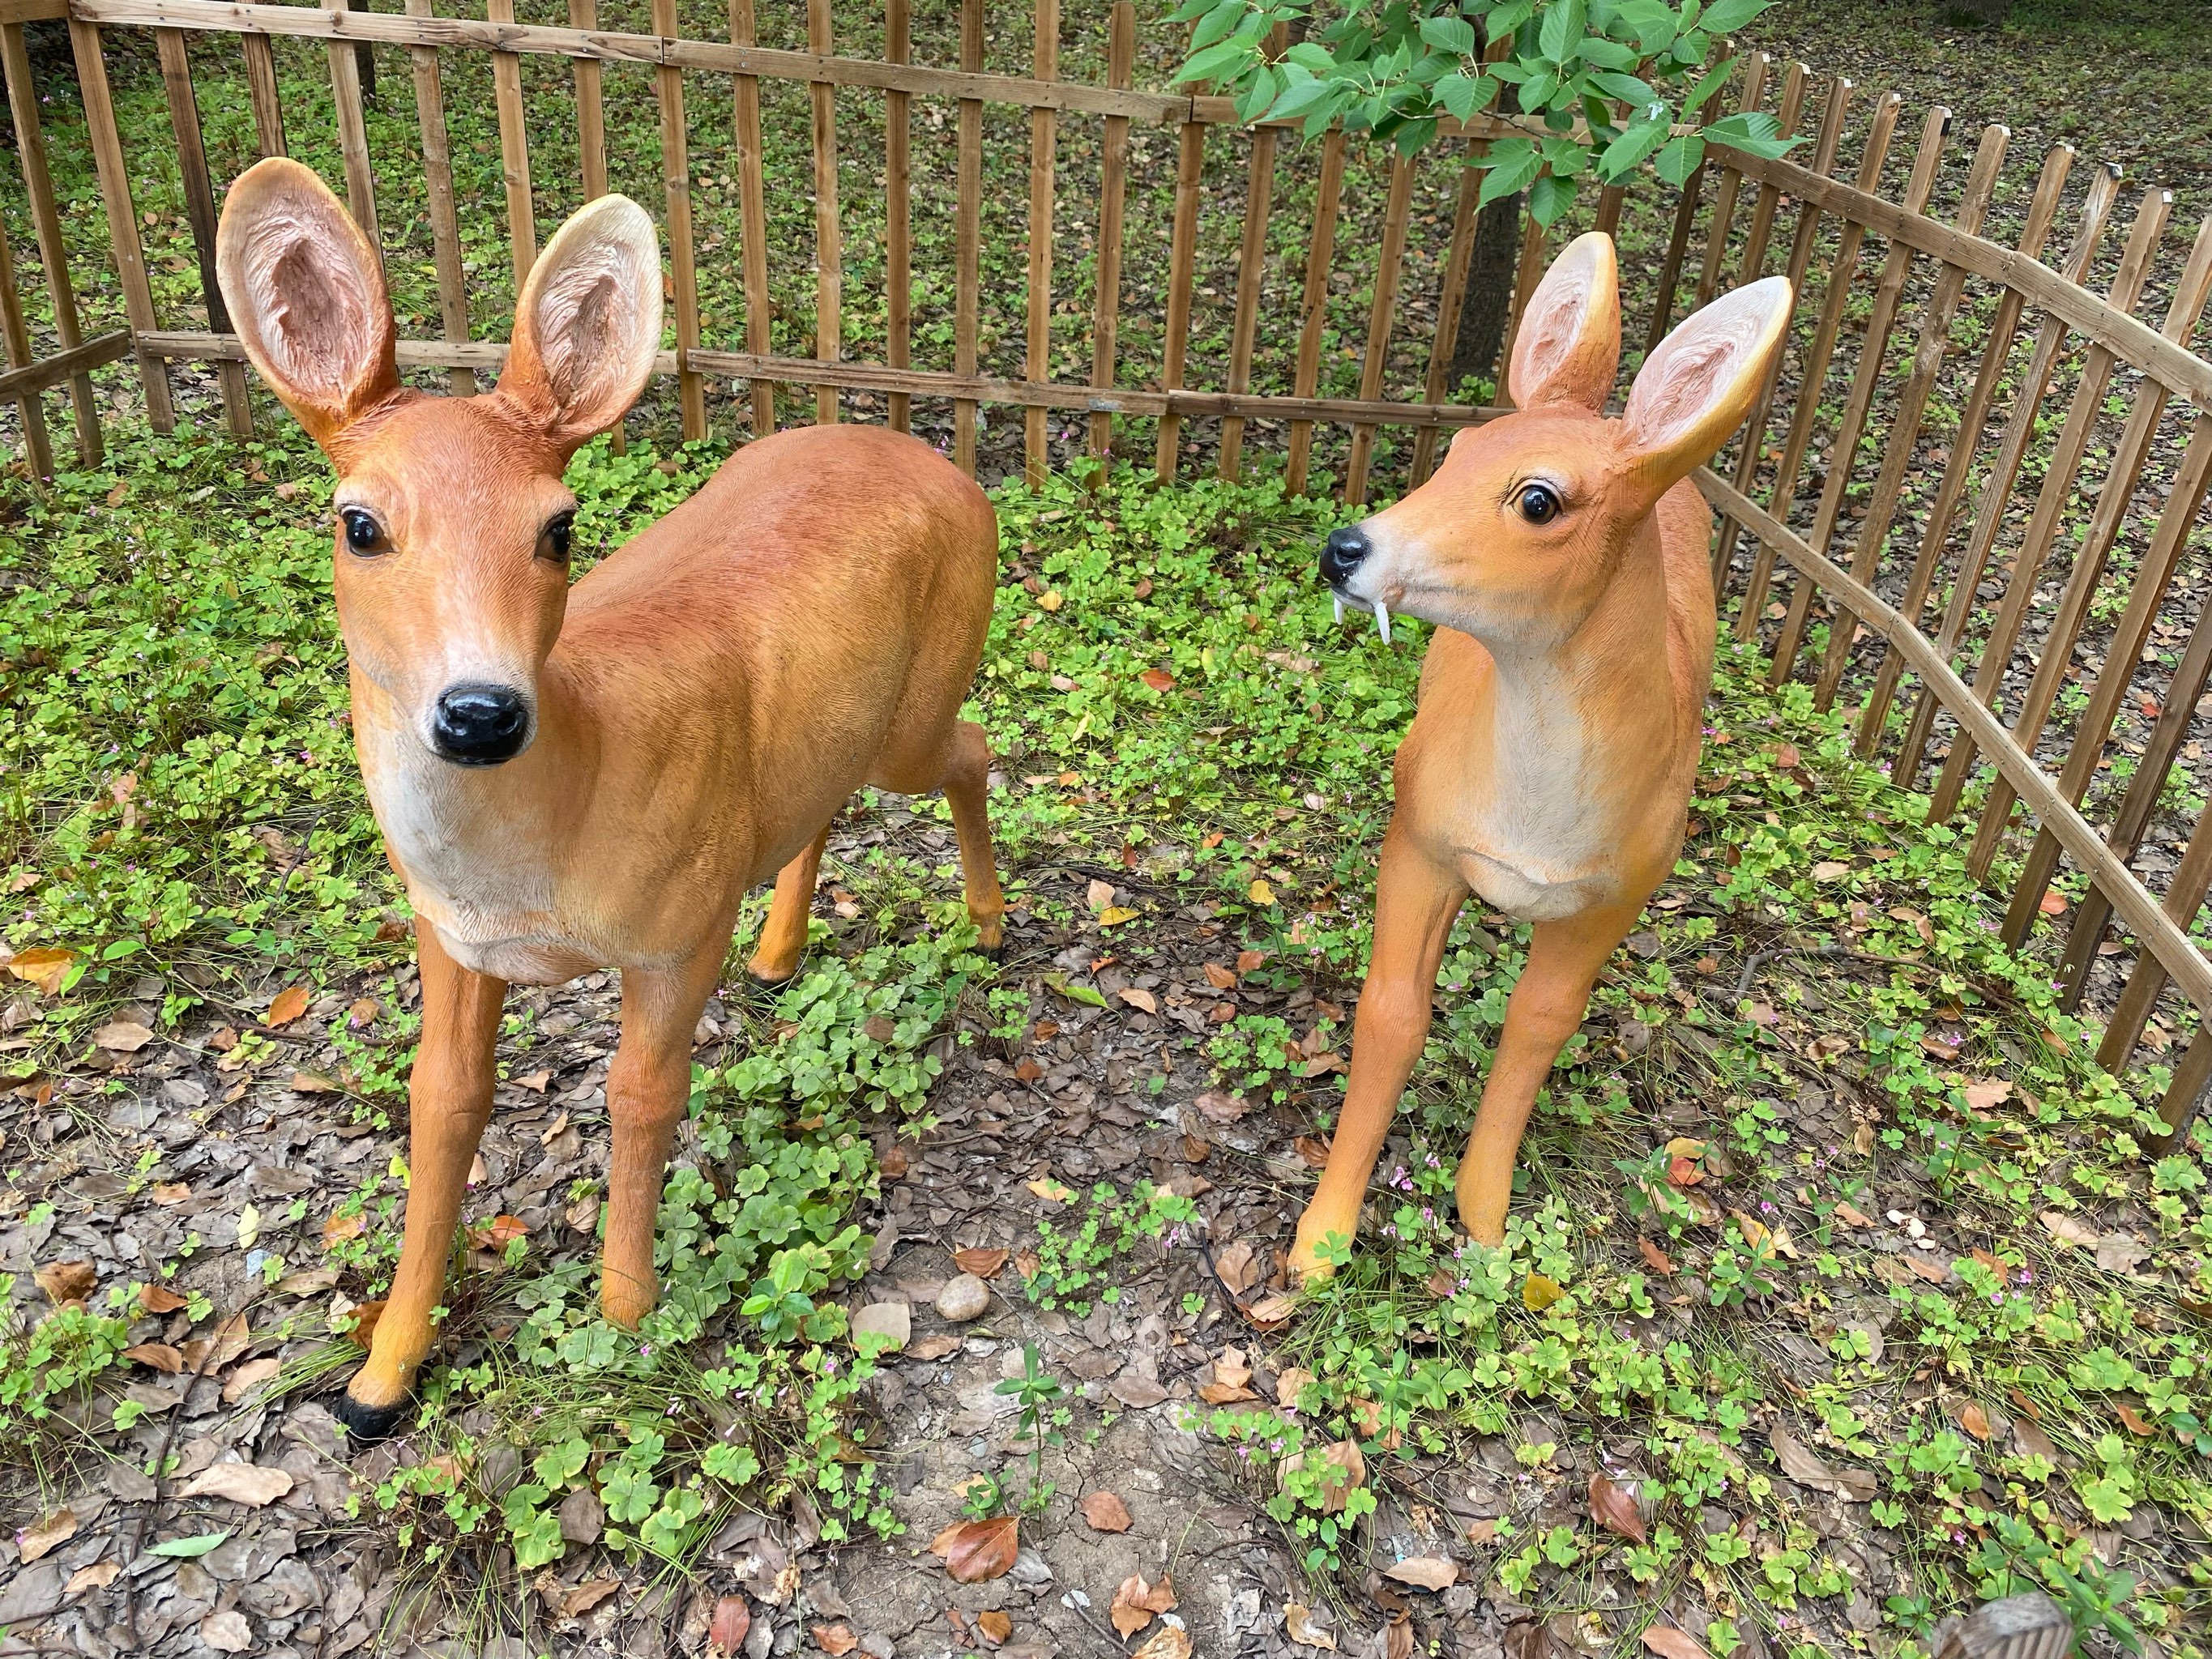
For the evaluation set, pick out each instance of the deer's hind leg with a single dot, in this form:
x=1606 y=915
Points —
x=783 y=936
x=960 y=763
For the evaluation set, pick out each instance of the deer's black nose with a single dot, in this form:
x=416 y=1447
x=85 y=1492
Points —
x=480 y=725
x=1341 y=553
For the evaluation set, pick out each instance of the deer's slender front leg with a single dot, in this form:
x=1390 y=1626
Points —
x=648 y=1088
x=1415 y=900
x=967 y=785
x=449 y=1101
x=1547 y=1008
x=783 y=936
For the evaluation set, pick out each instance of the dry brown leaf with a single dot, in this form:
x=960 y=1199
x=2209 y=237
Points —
x=1539 y=1292
x=1654 y=1258
x=1137 y=1602
x=934 y=1347
x=1855 y=1485
x=41 y=967
x=1428 y=1572
x=99 y=1576
x=250 y=1484
x=340 y=1228
x=67 y=1281
x=1851 y=1217
x=1298 y=1624
x=364 y=1322
x=1974 y=1420
x=835 y=1640
x=732 y=1619
x=252 y=1374
x=1312 y=1150
x=1613 y=1507
x=1220 y=978
x=2137 y=1424
x=497 y=1233
x=1105 y=1511
x=1167 y=1642
x=287 y=1005
x=574 y=1603
x=1290 y=1383
x=976 y=1552
x=1669 y=1643
x=984 y=1264
x=1099 y=895
x=1220 y=1107
x=993 y=1626
x=123 y=1036
x=2069 y=1228
x=1398 y=1637
x=1140 y=1000
x=160 y=1299
x=43 y=1537
x=159 y=1355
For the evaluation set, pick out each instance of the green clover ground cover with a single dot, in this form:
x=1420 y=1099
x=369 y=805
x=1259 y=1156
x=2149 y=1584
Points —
x=1711 y=1174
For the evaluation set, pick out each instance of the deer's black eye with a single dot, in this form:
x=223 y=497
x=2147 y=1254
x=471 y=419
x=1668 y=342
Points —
x=1539 y=505
x=363 y=535
x=556 y=538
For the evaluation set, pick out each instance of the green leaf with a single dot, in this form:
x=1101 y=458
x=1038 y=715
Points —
x=1252 y=104
x=1454 y=35
x=1726 y=16
x=1564 y=25
x=1217 y=24
x=1222 y=62
x=189 y=1549
x=1463 y=94
x=1190 y=10
x=1626 y=87
x=1714 y=79
x=1675 y=163
x=1625 y=153
x=1509 y=18
x=1411 y=137
x=1755 y=133
x=1083 y=993
x=1512 y=163
x=1310 y=55
x=1302 y=98
x=1550 y=196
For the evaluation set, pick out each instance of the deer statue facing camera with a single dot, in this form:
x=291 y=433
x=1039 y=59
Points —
x=1562 y=557
x=573 y=779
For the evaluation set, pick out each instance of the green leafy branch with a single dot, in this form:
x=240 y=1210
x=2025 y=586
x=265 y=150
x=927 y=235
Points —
x=1610 y=80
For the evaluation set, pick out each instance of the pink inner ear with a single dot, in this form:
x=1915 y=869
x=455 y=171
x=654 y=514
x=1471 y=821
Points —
x=1691 y=369
x=588 y=333
x=1554 y=331
x=318 y=329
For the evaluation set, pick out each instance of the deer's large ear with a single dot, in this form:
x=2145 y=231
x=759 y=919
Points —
x=1568 y=349
x=306 y=296
x=1698 y=386
x=588 y=323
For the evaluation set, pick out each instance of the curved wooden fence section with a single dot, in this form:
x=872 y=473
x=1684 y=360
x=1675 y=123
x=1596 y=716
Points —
x=1966 y=509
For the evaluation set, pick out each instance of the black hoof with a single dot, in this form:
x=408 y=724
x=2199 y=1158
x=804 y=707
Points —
x=365 y=1424
x=993 y=952
x=766 y=983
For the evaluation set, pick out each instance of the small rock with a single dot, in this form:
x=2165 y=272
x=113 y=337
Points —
x=893 y=1320
x=963 y=1298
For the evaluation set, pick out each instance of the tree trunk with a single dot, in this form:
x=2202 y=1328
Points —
x=364 y=60
x=1489 y=299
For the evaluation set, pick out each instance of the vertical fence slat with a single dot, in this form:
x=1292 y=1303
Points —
x=1873 y=349
x=969 y=238
x=438 y=179
x=46 y=227
x=1251 y=267
x=37 y=447
x=1380 y=317
x=829 y=233
x=1814 y=374
x=2056 y=652
x=1528 y=271
x=1997 y=488
x=1997 y=352
x=1910 y=407
x=1450 y=298
x=261 y=88
x=752 y=214
x=2184 y=898
x=199 y=212
x=676 y=174
x=590 y=107
x=1313 y=310
x=514 y=150
x=1801 y=254
x=1678 y=248
x=898 y=214
x=353 y=134
x=122 y=215
x=1113 y=181
x=1044 y=138
x=2112 y=684
x=2082 y=416
x=1755 y=68
x=1190 y=167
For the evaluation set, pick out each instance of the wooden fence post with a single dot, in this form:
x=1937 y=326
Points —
x=1114 y=172
x=676 y=174
x=1313 y=309
x=898 y=215
x=752 y=208
x=1044 y=132
x=968 y=238
x=199 y=209
x=122 y=215
x=829 y=236
x=46 y=227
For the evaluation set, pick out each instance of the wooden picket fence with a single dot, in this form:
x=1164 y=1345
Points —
x=1899 y=528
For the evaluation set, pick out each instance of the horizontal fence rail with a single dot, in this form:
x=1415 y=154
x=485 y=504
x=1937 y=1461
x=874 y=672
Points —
x=1965 y=506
